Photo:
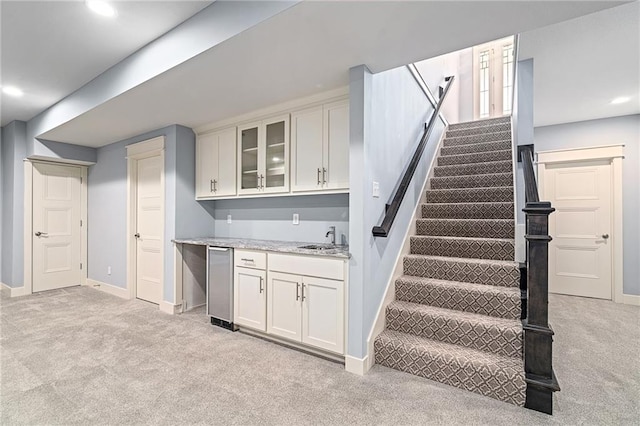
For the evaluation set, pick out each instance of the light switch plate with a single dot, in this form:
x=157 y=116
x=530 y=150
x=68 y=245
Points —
x=229 y=221
x=108 y=270
x=376 y=189
x=296 y=219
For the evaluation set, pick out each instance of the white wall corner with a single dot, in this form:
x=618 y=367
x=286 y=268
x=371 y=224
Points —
x=358 y=366
x=120 y=292
x=170 y=308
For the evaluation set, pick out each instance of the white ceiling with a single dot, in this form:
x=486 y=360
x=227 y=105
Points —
x=306 y=49
x=582 y=64
x=51 y=48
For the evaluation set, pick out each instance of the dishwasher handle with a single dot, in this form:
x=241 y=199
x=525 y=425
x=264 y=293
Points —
x=218 y=249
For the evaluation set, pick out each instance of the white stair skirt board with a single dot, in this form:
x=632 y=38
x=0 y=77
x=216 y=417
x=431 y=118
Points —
x=358 y=366
x=120 y=292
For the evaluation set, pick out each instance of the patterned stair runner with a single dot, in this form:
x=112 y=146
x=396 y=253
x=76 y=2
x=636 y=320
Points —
x=456 y=314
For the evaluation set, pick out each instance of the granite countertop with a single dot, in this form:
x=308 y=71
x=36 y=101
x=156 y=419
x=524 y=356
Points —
x=267 y=245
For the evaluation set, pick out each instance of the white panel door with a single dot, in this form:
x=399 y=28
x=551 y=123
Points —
x=306 y=144
x=580 y=252
x=149 y=229
x=207 y=165
x=335 y=173
x=225 y=184
x=323 y=313
x=284 y=309
x=56 y=226
x=250 y=298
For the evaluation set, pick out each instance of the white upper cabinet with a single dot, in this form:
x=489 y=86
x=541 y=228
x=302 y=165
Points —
x=320 y=148
x=263 y=156
x=215 y=164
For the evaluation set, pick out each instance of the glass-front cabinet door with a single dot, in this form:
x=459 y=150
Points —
x=248 y=175
x=263 y=156
x=276 y=155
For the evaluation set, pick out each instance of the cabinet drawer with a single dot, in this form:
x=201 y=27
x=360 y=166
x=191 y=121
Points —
x=250 y=259
x=307 y=265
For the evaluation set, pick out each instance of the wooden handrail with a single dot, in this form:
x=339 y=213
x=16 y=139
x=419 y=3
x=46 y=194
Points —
x=392 y=209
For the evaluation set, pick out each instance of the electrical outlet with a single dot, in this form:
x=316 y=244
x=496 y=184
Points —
x=229 y=221
x=296 y=219
x=108 y=270
x=376 y=189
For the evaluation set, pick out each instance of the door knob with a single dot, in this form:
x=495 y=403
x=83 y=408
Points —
x=41 y=234
x=136 y=235
x=605 y=236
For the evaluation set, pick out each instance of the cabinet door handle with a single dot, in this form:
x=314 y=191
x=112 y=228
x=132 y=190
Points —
x=261 y=286
x=261 y=187
x=297 y=291
x=211 y=186
x=303 y=292
x=215 y=185
x=318 y=175
x=324 y=172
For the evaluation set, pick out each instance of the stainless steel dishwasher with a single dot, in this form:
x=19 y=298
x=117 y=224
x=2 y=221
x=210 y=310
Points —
x=220 y=286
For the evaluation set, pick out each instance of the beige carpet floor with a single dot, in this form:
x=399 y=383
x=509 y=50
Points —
x=80 y=356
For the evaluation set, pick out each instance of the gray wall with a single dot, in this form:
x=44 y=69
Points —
x=388 y=111
x=609 y=131
x=270 y=218
x=107 y=193
x=458 y=107
x=13 y=155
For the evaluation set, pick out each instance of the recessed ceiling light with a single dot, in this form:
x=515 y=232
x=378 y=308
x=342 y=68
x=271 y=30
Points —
x=620 y=100
x=12 y=91
x=101 y=8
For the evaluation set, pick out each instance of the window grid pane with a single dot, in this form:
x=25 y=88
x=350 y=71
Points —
x=484 y=83
x=507 y=78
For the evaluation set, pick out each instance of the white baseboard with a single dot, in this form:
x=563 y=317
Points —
x=170 y=308
x=15 y=291
x=358 y=366
x=123 y=293
x=631 y=299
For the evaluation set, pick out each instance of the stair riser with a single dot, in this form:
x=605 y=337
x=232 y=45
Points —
x=478 y=139
x=477 y=301
x=505 y=127
x=476 y=195
x=506 y=384
x=473 y=249
x=475 y=148
x=479 y=181
x=468 y=272
x=468 y=211
x=478 y=228
x=474 y=169
x=482 y=157
x=484 y=336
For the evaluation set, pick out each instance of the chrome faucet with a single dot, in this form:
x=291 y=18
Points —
x=332 y=232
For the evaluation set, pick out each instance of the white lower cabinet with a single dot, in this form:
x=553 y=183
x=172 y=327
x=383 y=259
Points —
x=306 y=309
x=249 y=302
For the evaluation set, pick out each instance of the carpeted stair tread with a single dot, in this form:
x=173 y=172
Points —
x=480 y=181
x=479 y=271
x=477 y=139
x=504 y=166
x=493 y=194
x=502 y=210
x=488 y=374
x=487 y=122
x=499 y=302
x=472 y=148
x=481 y=228
x=493 y=128
x=496 y=335
x=478 y=157
x=466 y=247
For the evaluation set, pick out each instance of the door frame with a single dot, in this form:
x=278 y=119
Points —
x=28 y=221
x=135 y=152
x=615 y=154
